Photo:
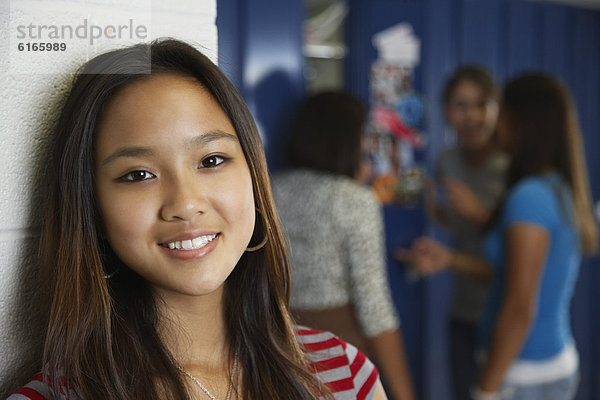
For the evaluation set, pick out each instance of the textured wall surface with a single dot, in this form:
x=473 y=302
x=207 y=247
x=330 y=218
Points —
x=33 y=86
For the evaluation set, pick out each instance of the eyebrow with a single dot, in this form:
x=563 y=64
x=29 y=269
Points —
x=211 y=136
x=138 y=151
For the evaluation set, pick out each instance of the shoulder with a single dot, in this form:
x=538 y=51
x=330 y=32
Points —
x=531 y=200
x=449 y=162
x=315 y=340
x=338 y=364
x=530 y=186
x=449 y=156
x=352 y=191
x=316 y=180
x=355 y=206
x=36 y=389
x=529 y=191
x=283 y=178
x=293 y=181
x=39 y=389
x=293 y=176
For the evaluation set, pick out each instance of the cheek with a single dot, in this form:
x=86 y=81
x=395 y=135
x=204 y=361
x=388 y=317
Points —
x=245 y=207
x=240 y=208
x=124 y=218
x=233 y=199
x=459 y=122
x=491 y=119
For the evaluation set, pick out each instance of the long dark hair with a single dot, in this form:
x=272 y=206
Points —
x=326 y=133
x=102 y=333
x=545 y=135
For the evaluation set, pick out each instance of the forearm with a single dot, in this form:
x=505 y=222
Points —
x=471 y=266
x=481 y=217
x=439 y=215
x=526 y=251
x=392 y=363
x=509 y=334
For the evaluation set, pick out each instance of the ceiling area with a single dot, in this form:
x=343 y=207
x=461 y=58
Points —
x=595 y=4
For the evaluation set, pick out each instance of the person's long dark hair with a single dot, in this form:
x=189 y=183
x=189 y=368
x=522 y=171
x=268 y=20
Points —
x=326 y=133
x=102 y=333
x=545 y=135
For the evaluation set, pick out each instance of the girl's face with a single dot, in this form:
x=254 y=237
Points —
x=173 y=186
x=471 y=115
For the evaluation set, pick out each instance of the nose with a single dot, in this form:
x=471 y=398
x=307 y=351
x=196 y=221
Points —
x=475 y=113
x=182 y=201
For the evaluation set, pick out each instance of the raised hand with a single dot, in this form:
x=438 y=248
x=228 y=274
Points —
x=464 y=202
x=426 y=255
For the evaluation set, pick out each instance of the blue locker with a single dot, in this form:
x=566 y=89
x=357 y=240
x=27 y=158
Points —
x=260 y=48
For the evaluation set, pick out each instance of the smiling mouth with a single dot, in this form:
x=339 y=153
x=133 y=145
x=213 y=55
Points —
x=192 y=244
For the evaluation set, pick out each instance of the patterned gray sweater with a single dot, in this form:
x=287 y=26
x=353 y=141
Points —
x=336 y=245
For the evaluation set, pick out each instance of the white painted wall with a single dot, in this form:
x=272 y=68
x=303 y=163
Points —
x=32 y=87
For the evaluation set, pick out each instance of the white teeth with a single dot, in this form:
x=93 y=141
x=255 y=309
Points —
x=199 y=241
x=192 y=244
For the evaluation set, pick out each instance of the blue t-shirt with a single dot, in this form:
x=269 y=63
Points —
x=544 y=201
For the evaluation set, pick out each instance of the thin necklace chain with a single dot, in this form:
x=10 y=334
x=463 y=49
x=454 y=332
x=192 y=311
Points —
x=204 y=389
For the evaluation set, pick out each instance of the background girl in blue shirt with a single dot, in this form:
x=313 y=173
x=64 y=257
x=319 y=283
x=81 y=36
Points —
x=533 y=248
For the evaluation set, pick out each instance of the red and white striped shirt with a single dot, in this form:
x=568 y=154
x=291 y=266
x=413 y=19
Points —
x=36 y=389
x=342 y=367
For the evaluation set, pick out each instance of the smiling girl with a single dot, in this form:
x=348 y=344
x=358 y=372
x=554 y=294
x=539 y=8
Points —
x=471 y=176
x=167 y=267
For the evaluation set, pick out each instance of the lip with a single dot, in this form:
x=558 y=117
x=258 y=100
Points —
x=191 y=254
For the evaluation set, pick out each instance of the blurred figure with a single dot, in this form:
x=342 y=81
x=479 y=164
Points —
x=470 y=179
x=335 y=228
x=533 y=248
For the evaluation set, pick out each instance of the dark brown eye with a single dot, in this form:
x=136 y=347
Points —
x=211 y=161
x=136 y=176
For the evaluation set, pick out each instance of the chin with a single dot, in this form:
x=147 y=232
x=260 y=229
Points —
x=190 y=288
x=203 y=289
x=473 y=146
